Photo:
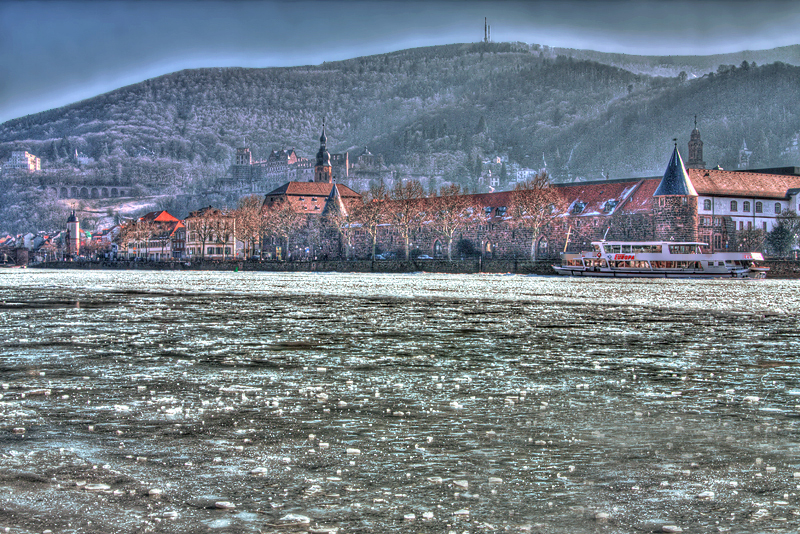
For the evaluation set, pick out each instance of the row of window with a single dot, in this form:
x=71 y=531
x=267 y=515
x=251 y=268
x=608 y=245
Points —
x=718 y=222
x=197 y=251
x=745 y=206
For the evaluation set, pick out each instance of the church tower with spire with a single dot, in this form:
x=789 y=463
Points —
x=323 y=171
x=73 y=238
x=675 y=203
x=696 y=149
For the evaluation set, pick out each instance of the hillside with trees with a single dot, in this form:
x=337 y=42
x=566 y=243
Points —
x=434 y=110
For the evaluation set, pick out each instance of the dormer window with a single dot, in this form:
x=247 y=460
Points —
x=610 y=205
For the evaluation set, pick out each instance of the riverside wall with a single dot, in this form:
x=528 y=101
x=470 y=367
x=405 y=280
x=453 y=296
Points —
x=359 y=266
x=782 y=269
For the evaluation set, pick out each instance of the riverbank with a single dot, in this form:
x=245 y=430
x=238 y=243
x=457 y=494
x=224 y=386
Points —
x=780 y=269
x=358 y=266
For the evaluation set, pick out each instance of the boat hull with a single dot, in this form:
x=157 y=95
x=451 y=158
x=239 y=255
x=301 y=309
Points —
x=633 y=273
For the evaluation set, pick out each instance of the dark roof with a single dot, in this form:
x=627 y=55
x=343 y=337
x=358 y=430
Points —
x=319 y=189
x=675 y=182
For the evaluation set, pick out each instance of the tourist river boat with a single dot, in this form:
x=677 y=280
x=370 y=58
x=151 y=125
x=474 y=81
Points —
x=660 y=259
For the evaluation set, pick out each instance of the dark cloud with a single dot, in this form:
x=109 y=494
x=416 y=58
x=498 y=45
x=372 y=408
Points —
x=56 y=52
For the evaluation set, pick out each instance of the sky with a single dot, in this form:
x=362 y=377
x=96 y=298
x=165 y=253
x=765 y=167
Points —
x=56 y=52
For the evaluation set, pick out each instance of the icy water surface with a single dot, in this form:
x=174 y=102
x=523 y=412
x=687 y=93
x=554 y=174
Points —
x=262 y=402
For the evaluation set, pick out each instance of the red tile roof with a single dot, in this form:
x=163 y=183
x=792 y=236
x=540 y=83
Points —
x=159 y=216
x=742 y=184
x=310 y=197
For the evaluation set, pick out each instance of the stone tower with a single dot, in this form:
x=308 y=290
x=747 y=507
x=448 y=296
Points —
x=744 y=156
x=73 y=236
x=675 y=204
x=323 y=171
x=696 y=149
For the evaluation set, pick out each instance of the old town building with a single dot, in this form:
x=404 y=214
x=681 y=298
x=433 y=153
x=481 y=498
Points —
x=282 y=165
x=713 y=206
x=22 y=160
x=210 y=233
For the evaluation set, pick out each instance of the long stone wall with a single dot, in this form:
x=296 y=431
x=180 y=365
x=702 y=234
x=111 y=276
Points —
x=779 y=269
x=360 y=266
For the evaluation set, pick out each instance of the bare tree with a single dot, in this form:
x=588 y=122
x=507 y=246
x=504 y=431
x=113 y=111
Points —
x=136 y=233
x=283 y=221
x=249 y=221
x=451 y=211
x=751 y=240
x=406 y=209
x=371 y=212
x=534 y=205
x=225 y=232
x=339 y=215
x=201 y=226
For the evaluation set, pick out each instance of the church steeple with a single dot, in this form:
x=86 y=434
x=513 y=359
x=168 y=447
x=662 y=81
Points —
x=323 y=171
x=696 y=149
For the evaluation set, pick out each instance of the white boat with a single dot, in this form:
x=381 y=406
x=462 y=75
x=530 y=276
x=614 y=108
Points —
x=660 y=259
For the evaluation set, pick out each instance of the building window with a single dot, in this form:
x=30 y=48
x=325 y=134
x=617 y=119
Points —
x=777 y=208
x=759 y=207
x=746 y=206
x=707 y=204
x=734 y=205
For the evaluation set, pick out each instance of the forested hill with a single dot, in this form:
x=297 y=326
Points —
x=672 y=66
x=437 y=106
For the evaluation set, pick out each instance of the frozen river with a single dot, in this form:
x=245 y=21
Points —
x=281 y=402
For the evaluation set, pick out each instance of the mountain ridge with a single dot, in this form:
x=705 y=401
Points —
x=432 y=110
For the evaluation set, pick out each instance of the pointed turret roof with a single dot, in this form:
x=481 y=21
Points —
x=676 y=181
x=335 y=203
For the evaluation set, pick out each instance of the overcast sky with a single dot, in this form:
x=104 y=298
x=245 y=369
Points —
x=56 y=52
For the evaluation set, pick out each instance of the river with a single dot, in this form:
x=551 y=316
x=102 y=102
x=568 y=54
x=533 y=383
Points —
x=313 y=402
